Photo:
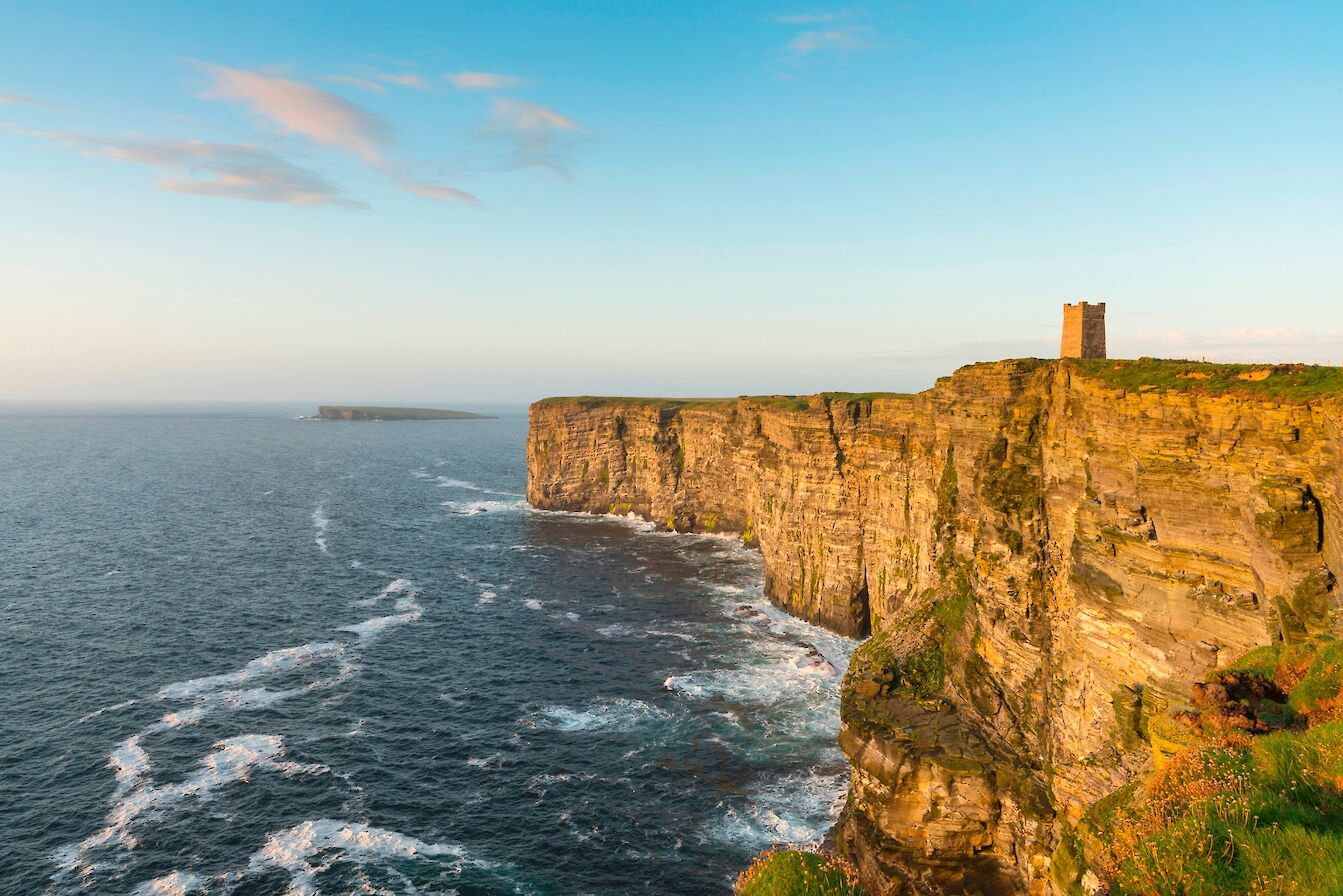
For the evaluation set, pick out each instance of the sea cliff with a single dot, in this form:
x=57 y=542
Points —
x=1046 y=554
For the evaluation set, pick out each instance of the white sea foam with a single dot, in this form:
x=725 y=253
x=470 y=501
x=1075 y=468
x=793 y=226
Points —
x=182 y=717
x=215 y=692
x=285 y=659
x=130 y=763
x=308 y=849
x=408 y=610
x=603 y=714
x=681 y=636
x=320 y=522
x=179 y=883
x=794 y=810
x=449 y=482
x=231 y=760
x=396 y=586
x=97 y=712
x=471 y=508
x=759 y=684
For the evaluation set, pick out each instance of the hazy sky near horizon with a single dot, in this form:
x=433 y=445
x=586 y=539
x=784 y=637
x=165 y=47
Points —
x=495 y=202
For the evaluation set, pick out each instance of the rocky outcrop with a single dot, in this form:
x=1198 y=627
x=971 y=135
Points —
x=1046 y=560
x=379 y=414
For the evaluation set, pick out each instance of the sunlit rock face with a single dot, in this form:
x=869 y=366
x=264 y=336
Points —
x=1045 y=560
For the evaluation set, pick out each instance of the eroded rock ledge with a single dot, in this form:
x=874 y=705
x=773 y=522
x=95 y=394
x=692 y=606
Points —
x=1047 y=553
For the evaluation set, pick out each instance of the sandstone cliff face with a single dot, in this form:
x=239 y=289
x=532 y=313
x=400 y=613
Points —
x=1044 y=560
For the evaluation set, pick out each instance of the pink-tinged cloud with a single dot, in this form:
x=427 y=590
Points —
x=414 y=82
x=222 y=170
x=18 y=99
x=374 y=80
x=539 y=136
x=485 y=81
x=355 y=81
x=832 y=40
x=438 y=192
x=303 y=109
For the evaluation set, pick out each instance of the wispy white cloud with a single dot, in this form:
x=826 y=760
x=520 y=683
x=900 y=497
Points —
x=813 y=18
x=19 y=99
x=303 y=109
x=485 y=81
x=832 y=40
x=438 y=192
x=222 y=170
x=374 y=80
x=539 y=136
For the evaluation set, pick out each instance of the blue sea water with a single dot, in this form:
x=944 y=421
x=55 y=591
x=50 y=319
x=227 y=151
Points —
x=244 y=653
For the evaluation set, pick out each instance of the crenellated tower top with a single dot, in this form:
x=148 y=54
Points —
x=1083 y=330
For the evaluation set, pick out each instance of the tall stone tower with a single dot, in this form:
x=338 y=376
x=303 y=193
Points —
x=1083 y=331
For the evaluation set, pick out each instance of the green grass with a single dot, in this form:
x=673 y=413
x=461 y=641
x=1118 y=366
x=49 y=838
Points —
x=798 y=873
x=1234 y=814
x=1287 y=382
x=1225 y=821
x=864 y=396
x=1310 y=672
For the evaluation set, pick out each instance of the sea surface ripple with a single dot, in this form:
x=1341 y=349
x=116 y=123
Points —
x=249 y=654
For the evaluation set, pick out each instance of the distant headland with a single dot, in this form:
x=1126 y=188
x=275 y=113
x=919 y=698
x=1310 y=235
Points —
x=357 y=412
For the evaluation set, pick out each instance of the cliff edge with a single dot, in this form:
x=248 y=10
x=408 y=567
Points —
x=1047 y=554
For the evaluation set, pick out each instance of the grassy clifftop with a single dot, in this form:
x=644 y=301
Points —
x=1281 y=382
x=1285 y=382
x=785 y=402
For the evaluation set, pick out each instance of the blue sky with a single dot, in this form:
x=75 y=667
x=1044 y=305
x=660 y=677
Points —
x=434 y=202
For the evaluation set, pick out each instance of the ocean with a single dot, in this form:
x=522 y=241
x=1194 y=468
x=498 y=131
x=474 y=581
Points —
x=245 y=653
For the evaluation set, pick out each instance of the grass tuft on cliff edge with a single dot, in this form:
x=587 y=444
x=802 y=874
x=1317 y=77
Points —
x=798 y=873
x=1248 y=796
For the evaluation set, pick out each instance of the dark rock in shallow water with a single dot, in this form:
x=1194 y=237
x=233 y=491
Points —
x=748 y=613
x=813 y=661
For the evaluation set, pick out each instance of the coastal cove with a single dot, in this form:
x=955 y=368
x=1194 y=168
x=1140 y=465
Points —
x=248 y=654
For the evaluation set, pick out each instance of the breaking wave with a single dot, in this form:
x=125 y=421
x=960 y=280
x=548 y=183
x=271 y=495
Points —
x=607 y=714
x=315 y=848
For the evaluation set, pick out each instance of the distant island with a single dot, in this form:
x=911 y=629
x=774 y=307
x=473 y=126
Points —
x=356 y=412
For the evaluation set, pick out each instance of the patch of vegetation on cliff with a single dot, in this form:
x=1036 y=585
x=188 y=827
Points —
x=1287 y=382
x=910 y=661
x=1248 y=798
x=864 y=396
x=798 y=873
x=781 y=402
